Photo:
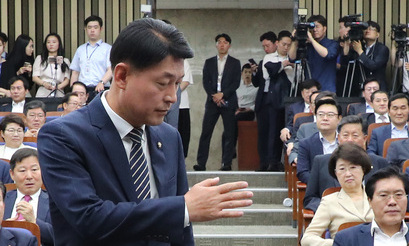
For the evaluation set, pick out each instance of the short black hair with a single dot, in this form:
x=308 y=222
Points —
x=309 y=83
x=20 y=155
x=11 y=118
x=247 y=65
x=374 y=24
x=3 y=37
x=269 y=36
x=345 y=19
x=325 y=94
x=369 y=80
x=396 y=97
x=321 y=102
x=78 y=83
x=3 y=191
x=352 y=153
x=93 y=18
x=16 y=78
x=283 y=34
x=378 y=92
x=146 y=42
x=318 y=18
x=353 y=119
x=33 y=105
x=67 y=97
x=223 y=35
x=385 y=173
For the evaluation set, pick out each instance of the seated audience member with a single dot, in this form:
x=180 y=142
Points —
x=5 y=172
x=379 y=100
x=398 y=153
x=398 y=109
x=387 y=193
x=246 y=95
x=81 y=90
x=29 y=202
x=328 y=114
x=307 y=88
x=70 y=102
x=370 y=85
x=10 y=236
x=18 y=89
x=348 y=164
x=12 y=131
x=351 y=129
x=35 y=114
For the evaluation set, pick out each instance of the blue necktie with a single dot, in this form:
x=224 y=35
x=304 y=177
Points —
x=139 y=166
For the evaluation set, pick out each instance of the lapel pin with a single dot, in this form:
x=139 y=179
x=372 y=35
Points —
x=159 y=145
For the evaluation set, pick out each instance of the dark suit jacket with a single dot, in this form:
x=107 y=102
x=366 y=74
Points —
x=230 y=80
x=292 y=110
x=378 y=137
x=15 y=237
x=357 y=108
x=320 y=179
x=43 y=215
x=369 y=118
x=297 y=125
x=7 y=107
x=375 y=63
x=398 y=152
x=5 y=172
x=359 y=235
x=308 y=149
x=86 y=171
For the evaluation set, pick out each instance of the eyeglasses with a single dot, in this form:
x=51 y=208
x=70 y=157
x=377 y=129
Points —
x=12 y=130
x=330 y=115
x=387 y=196
x=32 y=116
x=351 y=169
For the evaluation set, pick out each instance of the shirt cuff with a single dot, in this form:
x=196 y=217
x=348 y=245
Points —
x=186 y=223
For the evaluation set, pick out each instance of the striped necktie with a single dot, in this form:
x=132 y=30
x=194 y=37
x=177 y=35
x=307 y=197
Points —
x=139 y=166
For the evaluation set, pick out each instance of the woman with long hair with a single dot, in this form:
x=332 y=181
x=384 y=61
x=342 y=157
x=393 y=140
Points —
x=19 y=61
x=51 y=70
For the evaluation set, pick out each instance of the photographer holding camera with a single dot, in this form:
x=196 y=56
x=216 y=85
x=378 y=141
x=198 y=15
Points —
x=400 y=58
x=321 y=53
x=373 y=55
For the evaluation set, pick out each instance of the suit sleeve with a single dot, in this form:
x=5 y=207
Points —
x=46 y=232
x=379 y=61
x=258 y=77
x=71 y=190
x=234 y=80
x=208 y=84
x=373 y=143
x=312 y=197
x=340 y=238
x=393 y=155
x=351 y=110
x=303 y=170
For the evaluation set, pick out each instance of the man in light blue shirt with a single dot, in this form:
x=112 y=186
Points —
x=91 y=64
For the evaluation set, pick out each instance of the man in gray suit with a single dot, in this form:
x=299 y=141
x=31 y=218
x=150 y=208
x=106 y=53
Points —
x=350 y=129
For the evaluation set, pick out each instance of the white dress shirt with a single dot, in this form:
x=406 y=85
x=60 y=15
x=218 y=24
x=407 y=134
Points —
x=221 y=63
x=33 y=202
x=328 y=147
x=395 y=133
x=369 y=108
x=18 y=107
x=378 y=118
x=381 y=239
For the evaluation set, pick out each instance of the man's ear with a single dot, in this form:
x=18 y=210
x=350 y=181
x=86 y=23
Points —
x=121 y=72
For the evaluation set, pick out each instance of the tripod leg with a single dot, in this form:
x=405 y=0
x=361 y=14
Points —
x=345 y=80
x=352 y=79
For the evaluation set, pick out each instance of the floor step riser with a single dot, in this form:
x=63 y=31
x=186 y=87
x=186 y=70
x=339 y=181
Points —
x=246 y=242
x=255 y=218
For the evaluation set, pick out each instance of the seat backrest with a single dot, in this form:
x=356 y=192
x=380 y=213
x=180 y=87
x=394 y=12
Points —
x=32 y=227
x=349 y=105
x=299 y=115
x=387 y=143
x=7 y=113
x=13 y=186
x=348 y=224
x=371 y=127
x=405 y=165
x=330 y=191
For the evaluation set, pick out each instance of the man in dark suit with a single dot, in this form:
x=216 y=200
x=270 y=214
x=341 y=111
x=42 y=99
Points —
x=18 y=90
x=221 y=78
x=88 y=158
x=398 y=110
x=21 y=203
x=10 y=237
x=398 y=152
x=350 y=129
x=370 y=85
x=5 y=172
x=328 y=113
x=387 y=193
x=379 y=100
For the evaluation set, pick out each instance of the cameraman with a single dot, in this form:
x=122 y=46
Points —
x=321 y=53
x=405 y=71
x=373 y=55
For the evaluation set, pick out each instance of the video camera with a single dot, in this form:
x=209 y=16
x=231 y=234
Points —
x=356 y=33
x=398 y=33
x=301 y=34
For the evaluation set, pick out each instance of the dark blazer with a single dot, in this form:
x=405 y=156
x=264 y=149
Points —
x=13 y=237
x=298 y=123
x=292 y=110
x=369 y=118
x=308 y=148
x=86 y=171
x=378 y=137
x=230 y=80
x=398 y=152
x=7 y=107
x=375 y=63
x=320 y=179
x=357 y=108
x=5 y=172
x=359 y=235
x=43 y=215
x=306 y=130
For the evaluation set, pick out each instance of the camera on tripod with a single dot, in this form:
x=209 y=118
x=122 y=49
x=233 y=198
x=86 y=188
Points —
x=356 y=33
x=399 y=35
x=301 y=34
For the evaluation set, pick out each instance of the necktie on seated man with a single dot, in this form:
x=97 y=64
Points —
x=27 y=198
x=139 y=166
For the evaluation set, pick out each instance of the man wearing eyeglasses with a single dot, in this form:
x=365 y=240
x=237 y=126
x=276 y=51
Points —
x=34 y=112
x=387 y=193
x=18 y=90
x=370 y=86
x=70 y=102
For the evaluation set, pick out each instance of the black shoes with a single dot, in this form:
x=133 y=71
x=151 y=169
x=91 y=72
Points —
x=225 y=167
x=198 y=167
